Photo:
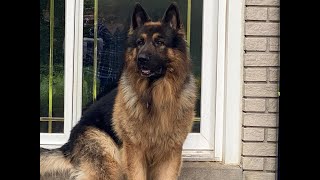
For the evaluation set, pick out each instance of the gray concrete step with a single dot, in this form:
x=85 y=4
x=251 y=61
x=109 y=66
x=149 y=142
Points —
x=209 y=171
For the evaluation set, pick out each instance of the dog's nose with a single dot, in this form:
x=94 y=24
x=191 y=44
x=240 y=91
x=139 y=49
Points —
x=143 y=58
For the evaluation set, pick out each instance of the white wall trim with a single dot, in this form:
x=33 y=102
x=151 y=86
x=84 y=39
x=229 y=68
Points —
x=233 y=79
x=220 y=90
x=229 y=82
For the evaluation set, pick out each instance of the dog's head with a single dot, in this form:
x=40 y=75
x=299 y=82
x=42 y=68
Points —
x=155 y=47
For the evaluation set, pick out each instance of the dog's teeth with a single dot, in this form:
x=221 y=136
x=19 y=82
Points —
x=146 y=71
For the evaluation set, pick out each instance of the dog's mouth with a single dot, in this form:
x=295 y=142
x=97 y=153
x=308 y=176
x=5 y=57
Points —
x=147 y=72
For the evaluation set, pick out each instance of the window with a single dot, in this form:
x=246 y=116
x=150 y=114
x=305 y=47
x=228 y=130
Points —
x=52 y=67
x=87 y=41
x=105 y=29
x=102 y=70
x=56 y=74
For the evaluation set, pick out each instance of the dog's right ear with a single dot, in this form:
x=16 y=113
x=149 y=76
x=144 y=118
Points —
x=172 y=16
x=139 y=16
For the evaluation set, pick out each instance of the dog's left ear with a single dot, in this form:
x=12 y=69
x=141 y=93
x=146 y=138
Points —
x=172 y=17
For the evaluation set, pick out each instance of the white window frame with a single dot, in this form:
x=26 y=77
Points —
x=200 y=146
x=222 y=85
x=54 y=139
x=222 y=54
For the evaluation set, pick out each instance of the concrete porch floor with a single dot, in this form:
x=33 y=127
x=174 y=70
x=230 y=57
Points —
x=209 y=171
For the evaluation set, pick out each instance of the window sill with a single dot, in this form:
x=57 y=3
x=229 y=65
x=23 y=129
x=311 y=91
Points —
x=210 y=170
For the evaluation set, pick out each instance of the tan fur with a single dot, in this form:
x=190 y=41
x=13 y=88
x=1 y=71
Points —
x=106 y=143
x=54 y=163
x=154 y=36
x=99 y=156
x=96 y=158
x=169 y=169
x=151 y=23
x=144 y=36
x=154 y=120
x=135 y=165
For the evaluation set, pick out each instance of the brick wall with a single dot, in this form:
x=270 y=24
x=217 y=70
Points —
x=260 y=102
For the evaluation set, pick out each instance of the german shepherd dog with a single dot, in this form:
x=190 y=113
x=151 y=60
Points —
x=135 y=132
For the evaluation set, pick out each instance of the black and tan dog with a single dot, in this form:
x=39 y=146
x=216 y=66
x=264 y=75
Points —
x=136 y=131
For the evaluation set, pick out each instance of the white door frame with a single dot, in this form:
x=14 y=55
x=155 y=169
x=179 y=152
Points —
x=229 y=81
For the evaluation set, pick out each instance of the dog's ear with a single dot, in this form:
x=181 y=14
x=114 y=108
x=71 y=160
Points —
x=172 y=17
x=139 y=16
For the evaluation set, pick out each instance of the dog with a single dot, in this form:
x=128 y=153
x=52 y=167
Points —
x=154 y=107
x=137 y=131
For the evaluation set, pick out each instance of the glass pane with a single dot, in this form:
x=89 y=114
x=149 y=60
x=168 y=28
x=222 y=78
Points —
x=51 y=65
x=101 y=71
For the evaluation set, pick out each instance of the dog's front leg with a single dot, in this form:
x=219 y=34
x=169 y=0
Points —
x=135 y=162
x=168 y=168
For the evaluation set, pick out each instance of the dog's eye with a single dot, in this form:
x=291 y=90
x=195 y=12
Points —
x=140 y=42
x=159 y=42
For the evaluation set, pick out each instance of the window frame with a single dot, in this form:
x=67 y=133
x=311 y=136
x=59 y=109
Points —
x=200 y=146
x=61 y=138
x=220 y=126
x=228 y=87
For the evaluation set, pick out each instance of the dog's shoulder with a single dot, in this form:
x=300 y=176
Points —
x=98 y=115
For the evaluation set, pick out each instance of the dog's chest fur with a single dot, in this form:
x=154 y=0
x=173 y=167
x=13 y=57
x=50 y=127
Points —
x=163 y=122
